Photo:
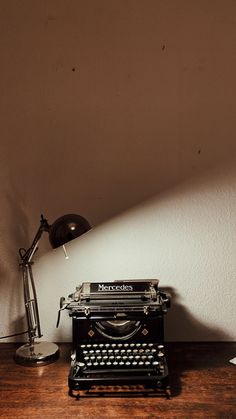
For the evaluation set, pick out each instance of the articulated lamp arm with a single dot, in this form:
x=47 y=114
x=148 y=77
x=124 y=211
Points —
x=30 y=295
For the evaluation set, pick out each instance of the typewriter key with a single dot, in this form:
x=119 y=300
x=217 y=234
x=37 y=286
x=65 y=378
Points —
x=81 y=364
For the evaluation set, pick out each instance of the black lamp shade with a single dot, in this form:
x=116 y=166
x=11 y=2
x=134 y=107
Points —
x=67 y=228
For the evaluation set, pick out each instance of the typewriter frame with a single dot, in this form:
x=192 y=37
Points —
x=148 y=316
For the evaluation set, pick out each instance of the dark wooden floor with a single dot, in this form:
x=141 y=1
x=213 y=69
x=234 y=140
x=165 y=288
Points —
x=202 y=379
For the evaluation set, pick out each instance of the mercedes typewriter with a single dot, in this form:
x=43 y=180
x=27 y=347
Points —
x=118 y=335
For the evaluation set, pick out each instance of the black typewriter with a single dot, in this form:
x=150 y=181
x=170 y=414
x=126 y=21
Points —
x=118 y=335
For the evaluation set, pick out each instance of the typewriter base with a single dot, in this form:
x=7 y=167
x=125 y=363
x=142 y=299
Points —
x=148 y=382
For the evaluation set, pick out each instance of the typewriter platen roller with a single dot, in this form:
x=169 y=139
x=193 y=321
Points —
x=118 y=334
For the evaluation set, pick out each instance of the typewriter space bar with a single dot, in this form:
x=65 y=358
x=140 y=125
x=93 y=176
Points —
x=120 y=370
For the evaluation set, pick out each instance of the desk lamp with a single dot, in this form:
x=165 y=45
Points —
x=64 y=229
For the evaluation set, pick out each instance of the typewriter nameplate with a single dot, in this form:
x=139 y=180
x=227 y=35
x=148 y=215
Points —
x=112 y=287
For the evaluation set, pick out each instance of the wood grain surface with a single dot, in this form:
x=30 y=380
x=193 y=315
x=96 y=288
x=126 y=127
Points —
x=203 y=384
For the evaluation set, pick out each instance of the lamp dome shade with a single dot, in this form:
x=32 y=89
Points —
x=67 y=228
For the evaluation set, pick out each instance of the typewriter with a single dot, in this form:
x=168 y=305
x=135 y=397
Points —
x=118 y=335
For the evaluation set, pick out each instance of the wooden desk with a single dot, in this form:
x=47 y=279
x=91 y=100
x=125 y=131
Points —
x=202 y=379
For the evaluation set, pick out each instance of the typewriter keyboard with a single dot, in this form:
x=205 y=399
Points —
x=121 y=355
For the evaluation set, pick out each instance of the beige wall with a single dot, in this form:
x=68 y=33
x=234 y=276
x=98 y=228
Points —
x=106 y=105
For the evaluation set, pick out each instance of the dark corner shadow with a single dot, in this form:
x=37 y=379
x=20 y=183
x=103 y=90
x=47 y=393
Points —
x=16 y=226
x=181 y=355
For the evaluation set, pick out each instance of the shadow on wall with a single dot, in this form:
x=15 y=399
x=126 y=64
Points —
x=14 y=227
x=180 y=323
x=177 y=235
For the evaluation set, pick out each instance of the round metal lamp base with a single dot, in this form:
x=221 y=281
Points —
x=40 y=353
